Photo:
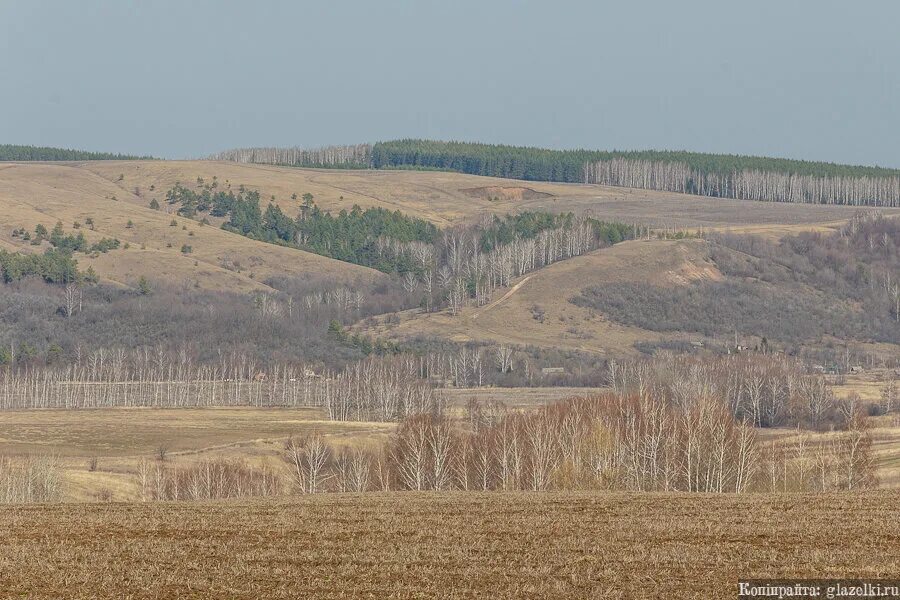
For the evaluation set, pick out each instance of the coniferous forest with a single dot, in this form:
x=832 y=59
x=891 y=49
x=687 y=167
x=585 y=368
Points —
x=11 y=152
x=717 y=175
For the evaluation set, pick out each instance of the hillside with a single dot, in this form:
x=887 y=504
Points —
x=718 y=175
x=535 y=310
x=112 y=193
x=450 y=198
x=32 y=194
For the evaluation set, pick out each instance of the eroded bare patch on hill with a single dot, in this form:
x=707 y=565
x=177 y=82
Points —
x=496 y=192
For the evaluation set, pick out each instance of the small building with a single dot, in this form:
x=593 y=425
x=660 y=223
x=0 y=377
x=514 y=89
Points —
x=552 y=370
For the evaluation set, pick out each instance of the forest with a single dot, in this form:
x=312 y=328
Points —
x=358 y=156
x=10 y=152
x=717 y=175
x=540 y=164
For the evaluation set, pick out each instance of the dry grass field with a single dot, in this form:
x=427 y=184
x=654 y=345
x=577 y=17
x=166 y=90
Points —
x=510 y=318
x=119 y=437
x=113 y=193
x=46 y=193
x=516 y=398
x=447 y=198
x=406 y=545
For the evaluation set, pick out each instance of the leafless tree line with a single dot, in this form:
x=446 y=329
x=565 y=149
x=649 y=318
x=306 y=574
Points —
x=30 y=479
x=611 y=442
x=767 y=390
x=373 y=390
x=378 y=390
x=358 y=155
x=340 y=300
x=843 y=461
x=456 y=272
x=749 y=184
x=206 y=480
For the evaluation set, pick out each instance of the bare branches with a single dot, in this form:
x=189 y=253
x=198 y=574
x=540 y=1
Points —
x=748 y=184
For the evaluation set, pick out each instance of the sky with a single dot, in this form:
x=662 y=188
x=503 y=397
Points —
x=816 y=80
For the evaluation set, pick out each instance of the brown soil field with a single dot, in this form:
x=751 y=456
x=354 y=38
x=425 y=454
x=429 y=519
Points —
x=405 y=545
x=509 y=319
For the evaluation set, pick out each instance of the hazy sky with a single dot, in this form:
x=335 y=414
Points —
x=805 y=79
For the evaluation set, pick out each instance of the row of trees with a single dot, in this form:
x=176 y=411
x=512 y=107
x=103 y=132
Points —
x=763 y=389
x=206 y=480
x=388 y=389
x=358 y=156
x=719 y=175
x=612 y=442
x=541 y=164
x=28 y=153
x=746 y=184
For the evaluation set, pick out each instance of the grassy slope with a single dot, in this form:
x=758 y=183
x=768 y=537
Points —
x=34 y=192
x=43 y=193
x=509 y=318
x=462 y=545
x=449 y=198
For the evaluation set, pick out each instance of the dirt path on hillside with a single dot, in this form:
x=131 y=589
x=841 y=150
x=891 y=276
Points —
x=503 y=298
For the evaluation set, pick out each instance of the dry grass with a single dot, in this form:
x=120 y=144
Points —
x=46 y=192
x=126 y=432
x=445 y=545
x=523 y=398
x=119 y=437
x=868 y=385
x=446 y=198
x=509 y=319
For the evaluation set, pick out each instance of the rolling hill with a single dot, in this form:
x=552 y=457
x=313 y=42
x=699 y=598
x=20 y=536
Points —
x=114 y=194
x=535 y=310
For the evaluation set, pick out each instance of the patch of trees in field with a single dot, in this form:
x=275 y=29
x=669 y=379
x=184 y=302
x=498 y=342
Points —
x=670 y=424
x=356 y=236
x=66 y=243
x=361 y=236
x=208 y=479
x=11 y=152
x=357 y=156
x=797 y=290
x=30 y=479
x=53 y=266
